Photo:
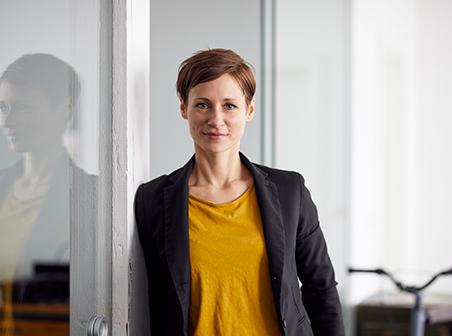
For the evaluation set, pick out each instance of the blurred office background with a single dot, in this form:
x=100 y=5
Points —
x=353 y=94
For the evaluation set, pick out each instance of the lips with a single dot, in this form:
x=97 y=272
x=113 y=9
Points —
x=214 y=136
x=14 y=135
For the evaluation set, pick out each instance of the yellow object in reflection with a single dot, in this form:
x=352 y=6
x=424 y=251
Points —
x=17 y=219
x=7 y=323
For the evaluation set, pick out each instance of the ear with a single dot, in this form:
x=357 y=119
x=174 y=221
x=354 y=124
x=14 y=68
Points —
x=64 y=110
x=183 y=109
x=250 y=113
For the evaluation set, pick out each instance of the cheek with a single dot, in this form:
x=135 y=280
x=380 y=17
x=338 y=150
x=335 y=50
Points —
x=238 y=122
x=196 y=120
x=32 y=122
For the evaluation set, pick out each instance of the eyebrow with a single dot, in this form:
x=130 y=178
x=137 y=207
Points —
x=207 y=99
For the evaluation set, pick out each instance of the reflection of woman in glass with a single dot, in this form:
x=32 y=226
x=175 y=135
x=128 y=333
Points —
x=226 y=240
x=37 y=93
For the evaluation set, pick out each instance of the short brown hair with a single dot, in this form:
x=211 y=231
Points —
x=46 y=73
x=207 y=65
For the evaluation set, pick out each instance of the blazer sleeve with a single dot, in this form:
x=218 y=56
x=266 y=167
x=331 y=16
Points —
x=315 y=271
x=155 y=268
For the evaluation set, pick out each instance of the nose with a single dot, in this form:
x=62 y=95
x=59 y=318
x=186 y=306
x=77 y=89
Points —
x=216 y=118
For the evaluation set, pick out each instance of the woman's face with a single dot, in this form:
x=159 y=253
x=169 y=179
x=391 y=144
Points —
x=29 y=120
x=217 y=113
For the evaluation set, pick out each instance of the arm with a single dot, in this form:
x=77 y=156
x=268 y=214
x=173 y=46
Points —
x=155 y=269
x=315 y=271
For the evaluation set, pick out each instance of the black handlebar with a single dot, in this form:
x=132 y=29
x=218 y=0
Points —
x=411 y=289
x=377 y=271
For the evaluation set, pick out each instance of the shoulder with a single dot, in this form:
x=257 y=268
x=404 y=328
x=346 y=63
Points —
x=280 y=177
x=273 y=174
x=149 y=203
x=156 y=185
x=149 y=189
x=290 y=185
x=152 y=193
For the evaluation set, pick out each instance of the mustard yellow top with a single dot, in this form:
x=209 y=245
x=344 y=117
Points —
x=16 y=223
x=230 y=280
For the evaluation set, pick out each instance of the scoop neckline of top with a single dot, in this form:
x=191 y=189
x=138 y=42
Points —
x=199 y=199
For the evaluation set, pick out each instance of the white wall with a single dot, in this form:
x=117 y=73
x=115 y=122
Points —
x=401 y=81
x=435 y=139
x=178 y=30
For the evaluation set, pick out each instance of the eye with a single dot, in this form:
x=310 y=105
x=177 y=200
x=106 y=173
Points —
x=23 y=108
x=230 y=106
x=201 y=105
x=3 y=108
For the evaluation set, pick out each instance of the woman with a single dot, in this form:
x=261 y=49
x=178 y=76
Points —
x=37 y=93
x=226 y=240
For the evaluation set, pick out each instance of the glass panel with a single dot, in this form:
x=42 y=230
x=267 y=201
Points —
x=38 y=94
x=311 y=118
x=53 y=103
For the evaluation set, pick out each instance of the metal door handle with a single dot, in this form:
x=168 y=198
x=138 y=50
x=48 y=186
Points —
x=97 y=326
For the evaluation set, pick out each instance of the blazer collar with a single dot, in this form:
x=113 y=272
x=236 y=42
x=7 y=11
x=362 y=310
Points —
x=177 y=235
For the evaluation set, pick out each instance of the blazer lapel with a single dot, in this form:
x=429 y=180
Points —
x=177 y=248
x=272 y=222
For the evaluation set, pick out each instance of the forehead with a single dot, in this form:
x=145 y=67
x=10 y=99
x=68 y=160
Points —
x=12 y=92
x=225 y=86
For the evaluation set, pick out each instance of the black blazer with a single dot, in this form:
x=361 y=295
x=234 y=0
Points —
x=295 y=246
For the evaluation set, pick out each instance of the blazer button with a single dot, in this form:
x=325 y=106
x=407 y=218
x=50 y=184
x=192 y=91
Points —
x=284 y=323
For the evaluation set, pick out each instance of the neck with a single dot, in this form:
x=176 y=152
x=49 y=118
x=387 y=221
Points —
x=218 y=170
x=39 y=165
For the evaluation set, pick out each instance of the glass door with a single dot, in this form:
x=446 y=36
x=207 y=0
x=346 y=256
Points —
x=65 y=189
x=75 y=143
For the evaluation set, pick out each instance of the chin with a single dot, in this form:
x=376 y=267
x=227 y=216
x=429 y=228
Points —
x=219 y=150
x=19 y=147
